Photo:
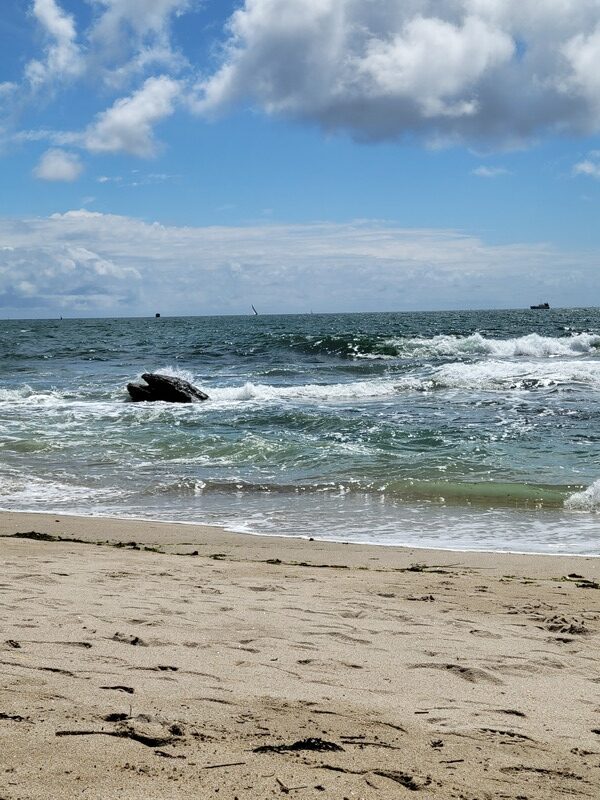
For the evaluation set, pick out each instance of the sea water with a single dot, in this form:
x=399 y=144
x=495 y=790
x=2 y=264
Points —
x=468 y=430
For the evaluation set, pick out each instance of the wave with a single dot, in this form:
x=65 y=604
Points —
x=343 y=345
x=26 y=492
x=491 y=494
x=357 y=390
x=586 y=500
x=220 y=397
x=359 y=345
x=492 y=376
x=484 y=493
x=28 y=394
x=446 y=346
x=533 y=345
x=480 y=376
x=508 y=375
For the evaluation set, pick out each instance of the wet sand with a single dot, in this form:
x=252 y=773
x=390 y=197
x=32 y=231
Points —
x=153 y=660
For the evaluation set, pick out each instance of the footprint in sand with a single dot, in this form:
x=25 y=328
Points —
x=470 y=674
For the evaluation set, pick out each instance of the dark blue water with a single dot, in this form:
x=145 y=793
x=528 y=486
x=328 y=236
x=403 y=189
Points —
x=463 y=429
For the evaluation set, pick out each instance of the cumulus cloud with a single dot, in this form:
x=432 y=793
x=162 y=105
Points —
x=58 y=165
x=126 y=47
x=495 y=73
x=434 y=61
x=63 y=57
x=97 y=263
x=582 y=51
x=127 y=126
x=449 y=70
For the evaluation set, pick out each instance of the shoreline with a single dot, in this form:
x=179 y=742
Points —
x=121 y=529
x=115 y=520
x=148 y=659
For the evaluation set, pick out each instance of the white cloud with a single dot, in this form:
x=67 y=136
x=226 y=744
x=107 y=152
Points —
x=497 y=72
x=58 y=165
x=449 y=70
x=63 y=56
x=127 y=126
x=120 y=44
x=140 y=17
x=489 y=172
x=126 y=38
x=46 y=277
x=434 y=62
x=587 y=167
x=131 y=36
x=96 y=263
x=583 y=53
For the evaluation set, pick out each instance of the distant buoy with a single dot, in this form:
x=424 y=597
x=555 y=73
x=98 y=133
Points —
x=157 y=315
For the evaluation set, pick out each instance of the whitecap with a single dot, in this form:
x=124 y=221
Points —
x=587 y=500
x=258 y=392
x=533 y=345
x=496 y=374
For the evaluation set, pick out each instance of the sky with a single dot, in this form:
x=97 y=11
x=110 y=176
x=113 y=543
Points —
x=199 y=156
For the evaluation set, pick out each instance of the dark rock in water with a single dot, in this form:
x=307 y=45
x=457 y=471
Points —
x=138 y=392
x=166 y=388
x=173 y=389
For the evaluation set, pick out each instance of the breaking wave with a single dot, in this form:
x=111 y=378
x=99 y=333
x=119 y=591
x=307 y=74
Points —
x=357 y=390
x=533 y=346
x=510 y=375
x=586 y=500
x=487 y=376
x=446 y=346
x=482 y=376
x=483 y=493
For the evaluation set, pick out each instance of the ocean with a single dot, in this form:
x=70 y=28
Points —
x=471 y=430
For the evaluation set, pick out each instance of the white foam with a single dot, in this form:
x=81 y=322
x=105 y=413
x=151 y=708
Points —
x=28 y=394
x=488 y=375
x=494 y=375
x=12 y=395
x=587 y=500
x=533 y=345
x=312 y=391
x=27 y=492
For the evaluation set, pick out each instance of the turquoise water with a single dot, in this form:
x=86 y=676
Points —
x=475 y=430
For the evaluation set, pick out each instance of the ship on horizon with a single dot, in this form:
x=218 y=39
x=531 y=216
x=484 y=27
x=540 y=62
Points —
x=540 y=307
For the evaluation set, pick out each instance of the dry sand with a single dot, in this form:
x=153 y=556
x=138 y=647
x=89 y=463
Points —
x=237 y=666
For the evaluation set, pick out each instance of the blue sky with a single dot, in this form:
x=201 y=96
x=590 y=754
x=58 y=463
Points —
x=326 y=154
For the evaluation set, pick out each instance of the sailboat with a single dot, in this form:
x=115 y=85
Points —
x=255 y=311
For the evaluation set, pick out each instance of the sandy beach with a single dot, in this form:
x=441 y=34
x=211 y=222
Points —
x=152 y=660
